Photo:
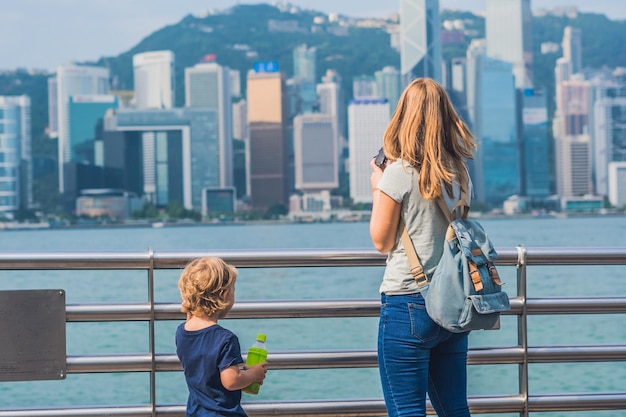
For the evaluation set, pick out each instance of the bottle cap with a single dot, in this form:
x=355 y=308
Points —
x=260 y=337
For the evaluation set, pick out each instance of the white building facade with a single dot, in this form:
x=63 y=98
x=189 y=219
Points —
x=153 y=75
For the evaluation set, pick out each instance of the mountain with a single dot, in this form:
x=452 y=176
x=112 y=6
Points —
x=244 y=34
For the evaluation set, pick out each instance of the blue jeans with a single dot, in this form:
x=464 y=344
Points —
x=416 y=356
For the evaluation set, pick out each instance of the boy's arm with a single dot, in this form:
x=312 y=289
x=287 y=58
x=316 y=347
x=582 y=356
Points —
x=234 y=377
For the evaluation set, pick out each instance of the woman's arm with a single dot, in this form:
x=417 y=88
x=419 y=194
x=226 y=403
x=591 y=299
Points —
x=385 y=215
x=234 y=377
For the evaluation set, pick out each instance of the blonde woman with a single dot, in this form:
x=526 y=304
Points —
x=426 y=144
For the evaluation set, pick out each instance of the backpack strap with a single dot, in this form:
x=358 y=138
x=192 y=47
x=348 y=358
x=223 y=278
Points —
x=460 y=210
x=414 y=262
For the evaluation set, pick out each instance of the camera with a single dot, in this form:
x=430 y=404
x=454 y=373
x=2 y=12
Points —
x=381 y=159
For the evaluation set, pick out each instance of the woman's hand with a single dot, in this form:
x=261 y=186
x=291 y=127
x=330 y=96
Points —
x=377 y=173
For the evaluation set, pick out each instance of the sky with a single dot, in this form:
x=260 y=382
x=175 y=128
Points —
x=42 y=34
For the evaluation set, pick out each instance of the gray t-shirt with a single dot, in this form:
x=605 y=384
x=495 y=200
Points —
x=425 y=223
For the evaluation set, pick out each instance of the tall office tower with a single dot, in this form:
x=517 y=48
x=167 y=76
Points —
x=536 y=170
x=16 y=183
x=572 y=48
x=241 y=153
x=367 y=122
x=304 y=78
x=609 y=132
x=85 y=113
x=267 y=120
x=496 y=171
x=315 y=146
x=617 y=184
x=508 y=26
x=153 y=74
x=573 y=165
x=420 y=40
x=388 y=85
x=208 y=85
x=235 y=83
x=364 y=87
x=572 y=142
x=331 y=102
x=74 y=80
x=53 y=116
x=304 y=63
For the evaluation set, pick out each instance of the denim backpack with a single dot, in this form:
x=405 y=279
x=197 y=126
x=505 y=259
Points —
x=464 y=292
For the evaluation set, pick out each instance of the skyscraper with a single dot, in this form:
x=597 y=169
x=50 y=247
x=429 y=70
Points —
x=609 y=132
x=209 y=85
x=74 y=80
x=153 y=74
x=496 y=170
x=267 y=119
x=331 y=103
x=304 y=77
x=572 y=47
x=367 y=122
x=388 y=85
x=536 y=166
x=16 y=187
x=508 y=26
x=315 y=145
x=420 y=40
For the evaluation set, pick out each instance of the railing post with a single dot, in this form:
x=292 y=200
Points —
x=522 y=327
x=152 y=332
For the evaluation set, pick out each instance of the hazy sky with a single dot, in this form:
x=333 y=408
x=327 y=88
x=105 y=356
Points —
x=46 y=33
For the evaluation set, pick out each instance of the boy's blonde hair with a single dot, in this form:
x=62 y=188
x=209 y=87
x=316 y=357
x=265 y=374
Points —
x=426 y=132
x=202 y=285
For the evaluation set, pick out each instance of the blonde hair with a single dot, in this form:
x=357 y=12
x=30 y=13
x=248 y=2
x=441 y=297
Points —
x=426 y=132
x=202 y=285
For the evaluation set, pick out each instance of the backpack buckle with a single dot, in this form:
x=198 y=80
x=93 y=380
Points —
x=419 y=276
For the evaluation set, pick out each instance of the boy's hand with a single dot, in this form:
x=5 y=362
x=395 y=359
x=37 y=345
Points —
x=257 y=371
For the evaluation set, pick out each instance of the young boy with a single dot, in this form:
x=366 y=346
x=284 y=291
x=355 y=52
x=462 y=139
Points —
x=210 y=354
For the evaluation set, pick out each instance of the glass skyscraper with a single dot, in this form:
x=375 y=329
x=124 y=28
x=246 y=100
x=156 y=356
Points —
x=496 y=168
x=508 y=26
x=420 y=40
x=15 y=154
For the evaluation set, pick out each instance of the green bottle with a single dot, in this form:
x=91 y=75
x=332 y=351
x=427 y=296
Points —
x=256 y=354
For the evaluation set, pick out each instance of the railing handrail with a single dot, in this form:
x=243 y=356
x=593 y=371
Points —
x=522 y=306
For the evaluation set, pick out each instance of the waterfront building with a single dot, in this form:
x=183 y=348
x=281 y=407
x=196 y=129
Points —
x=16 y=186
x=617 y=184
x=153 y=75
x=74 y=80
x=116 y=204
x=208 y=85
x=219 y=200
x=267 y=121
x=508 y=27
x=164 y=155
x=331 y=102
x=573 y=165
x=536 y=167
x=316 y=160
x=420 y=40
x=609 y=125
x=367 y=122
x=389 y=86
x=496 y=168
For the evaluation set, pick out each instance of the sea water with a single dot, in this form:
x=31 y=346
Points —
x=313 y=334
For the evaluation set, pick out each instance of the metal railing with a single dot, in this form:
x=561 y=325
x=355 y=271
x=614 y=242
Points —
x=520 y=354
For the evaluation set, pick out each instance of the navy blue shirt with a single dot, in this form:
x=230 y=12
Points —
x=204 y=354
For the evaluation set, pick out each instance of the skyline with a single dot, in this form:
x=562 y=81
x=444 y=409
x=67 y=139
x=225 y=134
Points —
x=37 y=40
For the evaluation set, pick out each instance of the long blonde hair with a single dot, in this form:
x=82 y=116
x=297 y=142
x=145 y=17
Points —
x=426 y=132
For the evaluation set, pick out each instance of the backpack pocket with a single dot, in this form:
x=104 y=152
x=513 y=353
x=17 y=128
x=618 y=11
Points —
x=483 y=311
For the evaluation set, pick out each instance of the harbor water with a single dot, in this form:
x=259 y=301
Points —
x=313 y=334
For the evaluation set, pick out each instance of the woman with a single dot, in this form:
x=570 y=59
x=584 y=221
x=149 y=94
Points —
x=426 y=144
